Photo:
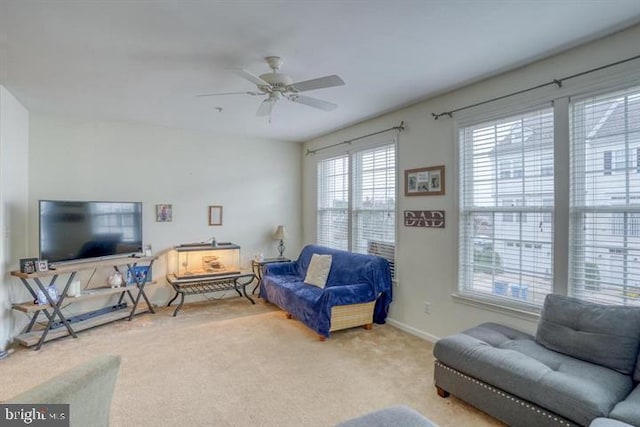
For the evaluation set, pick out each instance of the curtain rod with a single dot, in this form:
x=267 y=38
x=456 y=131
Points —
x=557 y=82
x=399 y=128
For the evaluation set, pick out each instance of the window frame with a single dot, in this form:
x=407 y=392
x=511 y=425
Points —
x=563 y=227
x=351 y=153
x=514 y=212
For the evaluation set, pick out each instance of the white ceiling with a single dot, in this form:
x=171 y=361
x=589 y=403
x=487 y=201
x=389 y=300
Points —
x=145 y=61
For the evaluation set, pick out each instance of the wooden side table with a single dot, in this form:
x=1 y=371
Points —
x=258 y=268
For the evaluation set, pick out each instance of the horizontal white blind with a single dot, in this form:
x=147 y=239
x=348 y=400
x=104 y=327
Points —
x=333 y=202
x=506 y=208
x=605 y=198
x=374 y=201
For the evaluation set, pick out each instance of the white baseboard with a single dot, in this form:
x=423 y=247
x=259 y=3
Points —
x=413 y=331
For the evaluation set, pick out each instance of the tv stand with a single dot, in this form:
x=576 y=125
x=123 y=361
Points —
x=64 y=326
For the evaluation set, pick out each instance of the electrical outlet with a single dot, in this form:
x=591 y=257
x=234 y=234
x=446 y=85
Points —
x=427 y=307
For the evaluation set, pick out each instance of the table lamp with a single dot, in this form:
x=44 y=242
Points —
x=280 y=234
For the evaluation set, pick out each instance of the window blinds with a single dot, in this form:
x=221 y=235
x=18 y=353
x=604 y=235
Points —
x=605 y=198
x=357 y=201
x=506 y=207
x=374 y=202
x=333 y=202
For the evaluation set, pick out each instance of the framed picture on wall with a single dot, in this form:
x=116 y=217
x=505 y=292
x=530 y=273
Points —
x=215 y=215
x=164 y=213
x=424 y=181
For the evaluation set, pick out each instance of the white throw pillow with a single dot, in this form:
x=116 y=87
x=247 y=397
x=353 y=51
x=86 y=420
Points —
x=318 y=270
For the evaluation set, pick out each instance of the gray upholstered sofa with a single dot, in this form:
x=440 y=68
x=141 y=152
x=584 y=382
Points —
x=581 y=367
x=88 y=389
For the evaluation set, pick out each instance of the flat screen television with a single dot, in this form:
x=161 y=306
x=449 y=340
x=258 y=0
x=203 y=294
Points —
x=73 y=231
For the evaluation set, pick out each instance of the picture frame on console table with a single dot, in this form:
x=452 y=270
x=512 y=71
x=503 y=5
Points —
x=43 y=265
x=28 y=265
x=142 y=274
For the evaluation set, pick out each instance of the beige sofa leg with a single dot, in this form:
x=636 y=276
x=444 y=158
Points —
x=368 y=326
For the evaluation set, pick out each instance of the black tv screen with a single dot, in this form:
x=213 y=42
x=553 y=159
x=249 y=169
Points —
x=81 y=230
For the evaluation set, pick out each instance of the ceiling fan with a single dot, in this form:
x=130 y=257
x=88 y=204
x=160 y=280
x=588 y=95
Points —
x=278 y=86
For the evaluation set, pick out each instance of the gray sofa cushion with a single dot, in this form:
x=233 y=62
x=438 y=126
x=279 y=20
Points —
x=629 y=409
x=512 y=361
x=399 y=415
x=602 y=334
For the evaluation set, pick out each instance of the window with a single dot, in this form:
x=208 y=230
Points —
x=357 y=201
x=333 y=202
x=501 y=233
x=605 y=208
x=606 y=156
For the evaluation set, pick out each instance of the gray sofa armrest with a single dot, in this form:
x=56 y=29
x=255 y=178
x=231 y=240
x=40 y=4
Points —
x=608 y=422
x=628 y=410
x=399 y=415
x=88 y=389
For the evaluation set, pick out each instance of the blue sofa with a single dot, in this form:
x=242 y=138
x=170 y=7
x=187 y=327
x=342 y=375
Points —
x=582 y=367
x=357 y=290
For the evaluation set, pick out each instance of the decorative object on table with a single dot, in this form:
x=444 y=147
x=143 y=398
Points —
x=142 y=275
x=42 y=299
x=164 y=213
x=148 y=251
x=212 y=264
x=116 y=279
x=75 y=289
x=28 y=265
x=428 y=219
x=215 y=215
x=43 y=265
x=280 y=234
x=201 y=260
x=424 y=181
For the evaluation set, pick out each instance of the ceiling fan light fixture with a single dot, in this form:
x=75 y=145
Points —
x=278 y=85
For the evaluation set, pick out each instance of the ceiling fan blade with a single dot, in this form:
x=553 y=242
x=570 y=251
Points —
x=313 y=102
x=265 y=108
x=233 y=93
x=319 y=83
x=248 y=76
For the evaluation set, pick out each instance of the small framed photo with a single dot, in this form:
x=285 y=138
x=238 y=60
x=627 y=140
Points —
x=43 y=265
x=28 y=265
x=215 y=215
x=141 y=274
x=164 y=213
x=424 y=181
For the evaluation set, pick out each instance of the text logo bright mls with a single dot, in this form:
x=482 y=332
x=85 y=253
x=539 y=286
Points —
x=38 y=415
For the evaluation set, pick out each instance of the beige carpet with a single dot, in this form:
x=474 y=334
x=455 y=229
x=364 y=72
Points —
x=228 y=363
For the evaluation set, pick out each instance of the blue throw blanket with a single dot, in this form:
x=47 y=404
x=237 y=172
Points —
x=353 y=279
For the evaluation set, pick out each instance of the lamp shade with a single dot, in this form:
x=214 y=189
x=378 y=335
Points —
x=280 y=234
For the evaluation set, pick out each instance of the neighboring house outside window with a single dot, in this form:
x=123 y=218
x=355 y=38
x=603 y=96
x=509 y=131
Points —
x=507 y=233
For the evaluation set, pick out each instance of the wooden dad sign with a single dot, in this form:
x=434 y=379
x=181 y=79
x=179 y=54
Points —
x=429 y=219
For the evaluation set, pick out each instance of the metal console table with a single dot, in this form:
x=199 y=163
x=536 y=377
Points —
x=206 y=284
x=36 y=337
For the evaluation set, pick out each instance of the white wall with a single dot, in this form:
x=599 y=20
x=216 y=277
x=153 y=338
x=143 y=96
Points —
x=257 y=181
x=14 y=146
x=427 y=258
